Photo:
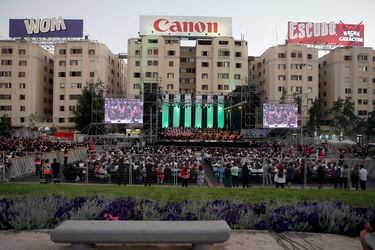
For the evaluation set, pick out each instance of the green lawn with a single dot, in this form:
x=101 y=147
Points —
x=251 y=195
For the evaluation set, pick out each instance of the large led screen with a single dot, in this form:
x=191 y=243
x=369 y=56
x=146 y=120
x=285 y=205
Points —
x=126 y=111
x=277 y=115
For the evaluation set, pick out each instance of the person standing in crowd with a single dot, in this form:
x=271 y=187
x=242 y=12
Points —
x=38 y=163
x=66 y=154
x=290 y=174
x=221 y=173
x=362 y=177
x=280 y=178
x=185 y=175
x=122 y=169
x=55 y=170
x=367 y=235
x=338 y=176
x=234 y=172
x=47 y=172
x=354 y=177
x=320 y=176
x=200 y=176
x=160 y=174
x=245 y=176
x=345 y=176
x=149 y=172
x=227 y=176
x=268 y=176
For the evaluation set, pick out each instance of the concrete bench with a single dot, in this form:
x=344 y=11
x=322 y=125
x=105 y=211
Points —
x=82 y=233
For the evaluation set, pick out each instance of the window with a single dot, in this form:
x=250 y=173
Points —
x=22 y=119
x=223 y=76
x=309 y=67
x=296 y=66
x=347 y=68
x=281 y=55
x=5 y=97
x=299 y=54
x=170 y=75
x=62 y=85
x=137 y=63
x=204 y=87
x=137 y=52
x=171 y=63
x=205 y=64
x=347 y=79
x=362 y=57
x=156 y=51
x=282 y=77
x=22 y=63
x=91 y=52
x=6 y=62
x=22 y=52
x=238 y=65
x=204 y=75
x=152 y=40
x=75 y=73
x=21 y=74
x=309 y=90
x=296 y=77
x=223 y=42
x=62 y=97
x=280 y=88
x=61 y=120
x=74 y=97
x=76 y=85
x=364 y=91
x=71 y=119
x=237 y=76
x=137 y=75
x=5 y=85
x=373 y=80
x=220 y=87
x=76 y=51
x=293 y=55
x=22 y=85
x=171 y=53
x=204 y=42
x=204 y=53
x=5 y=108
x=62 y=108
x=223 y=64
x=61 y=74
x=238 y=54
x=309 y=56
x=62 y=52
x=226 y=87
x=282 y=66
x=362 y=112
x=362 y=68
x=74 y=62
x=155 y=74
x=72 y=108
x=365 y=102
x=136 y=86
x=148 y=74
x=309 y=78
x=359 y=91
x=152 y=63
x=347 y=58
x=363 y=79
x=6 y=51
x=22 y=97
x=169 y=86
x=224 y=53
x=62 y=63
x=92 y=74
x=324 y=63
x=348 y=91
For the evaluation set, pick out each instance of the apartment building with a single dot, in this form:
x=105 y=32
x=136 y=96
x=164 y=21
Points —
x=289 y=69
x=77 y=63
x=26 y=83
x=212 y=65
x=348 y=72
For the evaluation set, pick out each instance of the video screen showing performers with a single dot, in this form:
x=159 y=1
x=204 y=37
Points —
x=277 y=115
x=126 y=111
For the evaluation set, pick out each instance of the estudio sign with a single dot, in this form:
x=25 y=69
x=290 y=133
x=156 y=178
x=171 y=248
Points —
x=185 y=26
x=46 y=27
x=326 y=33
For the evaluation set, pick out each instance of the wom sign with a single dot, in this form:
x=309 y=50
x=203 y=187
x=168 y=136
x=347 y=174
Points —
x=326 y=33
x=186 y=26
x=46 y=27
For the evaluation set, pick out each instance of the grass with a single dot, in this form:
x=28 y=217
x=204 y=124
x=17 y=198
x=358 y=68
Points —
x=251 y=195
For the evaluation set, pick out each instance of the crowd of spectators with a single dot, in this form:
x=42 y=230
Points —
x=358 y=151
x=21 y=146
x=196 y=134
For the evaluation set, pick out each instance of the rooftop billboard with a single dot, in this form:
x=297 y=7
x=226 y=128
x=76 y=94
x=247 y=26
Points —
x=185 y=26
x=326 y=33
x=46 y=27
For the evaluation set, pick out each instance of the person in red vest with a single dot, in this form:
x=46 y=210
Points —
x=66 y=154
x=37 y=163
x=47 y=171
x=185 y=175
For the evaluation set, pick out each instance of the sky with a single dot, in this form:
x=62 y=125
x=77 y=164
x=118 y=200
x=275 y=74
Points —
x=263 y=23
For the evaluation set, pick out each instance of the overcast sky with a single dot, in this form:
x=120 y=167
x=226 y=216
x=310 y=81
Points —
x=114 y=21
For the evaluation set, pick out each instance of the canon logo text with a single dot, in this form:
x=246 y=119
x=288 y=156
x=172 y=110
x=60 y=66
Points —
x=165 y=25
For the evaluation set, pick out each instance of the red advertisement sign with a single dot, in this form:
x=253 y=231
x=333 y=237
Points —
x=326 y=33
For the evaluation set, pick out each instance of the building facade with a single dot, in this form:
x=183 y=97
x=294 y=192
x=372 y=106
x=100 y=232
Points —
x=26 y=83
x=286 y=71
x=213 y=65
x=79 y=63
x=348 y=72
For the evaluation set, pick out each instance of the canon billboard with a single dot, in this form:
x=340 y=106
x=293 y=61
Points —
x=326 y=33
x=185 y=26
x=46 y=27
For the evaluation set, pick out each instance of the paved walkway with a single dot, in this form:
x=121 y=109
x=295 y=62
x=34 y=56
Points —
x=240 y=240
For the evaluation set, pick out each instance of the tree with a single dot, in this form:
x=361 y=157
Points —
x=90 y=109
x=369 y=126
x=5 y=126
x=344 y=118
x=315 y=116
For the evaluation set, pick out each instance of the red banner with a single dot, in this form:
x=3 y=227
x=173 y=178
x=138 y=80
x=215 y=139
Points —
x=64 y=135
x=326 y=33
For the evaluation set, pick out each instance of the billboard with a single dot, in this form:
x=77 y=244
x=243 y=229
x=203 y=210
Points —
x=125 y=111
x=47 y=27
x=326 y=33
x=185 y=26
x=276 y=115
